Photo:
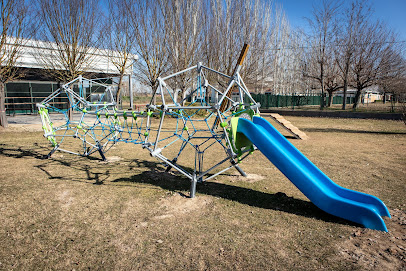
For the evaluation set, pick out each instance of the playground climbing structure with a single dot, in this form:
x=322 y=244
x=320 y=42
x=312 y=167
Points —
x=201 y=123
x=182 y=127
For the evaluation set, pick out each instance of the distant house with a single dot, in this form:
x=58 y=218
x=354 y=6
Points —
x=368 y=95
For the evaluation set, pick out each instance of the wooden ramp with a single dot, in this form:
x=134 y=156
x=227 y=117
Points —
x=288 y=126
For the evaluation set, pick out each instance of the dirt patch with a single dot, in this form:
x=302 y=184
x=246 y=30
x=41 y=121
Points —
x=112 y=159
x=65 y=199
x=176 y=205
x=375 y=250
x=26 y=127
x=250 y=178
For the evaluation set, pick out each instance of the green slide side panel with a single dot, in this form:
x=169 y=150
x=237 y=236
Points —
x=240 y=140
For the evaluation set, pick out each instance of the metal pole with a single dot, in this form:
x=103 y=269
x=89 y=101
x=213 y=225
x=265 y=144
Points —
x=193 y=183
x=130 y=84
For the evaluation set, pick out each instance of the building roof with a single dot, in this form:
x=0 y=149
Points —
x=33 y=51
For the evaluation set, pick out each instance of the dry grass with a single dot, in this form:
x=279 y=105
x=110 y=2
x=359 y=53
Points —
x=71 y=212
x=376 y=107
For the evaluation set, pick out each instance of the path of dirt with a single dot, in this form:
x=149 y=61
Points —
x=375 y=250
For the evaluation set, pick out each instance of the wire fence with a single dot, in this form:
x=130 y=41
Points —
x=271 y=100
x=21 y=98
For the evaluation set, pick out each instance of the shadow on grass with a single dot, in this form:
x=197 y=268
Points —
x=336 y=130
x=37 y=153
x=19 y=152
x=274 y=201
x=156 y=175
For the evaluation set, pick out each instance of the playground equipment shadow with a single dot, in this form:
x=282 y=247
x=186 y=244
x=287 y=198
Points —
x=274 y=201
x=176 y=183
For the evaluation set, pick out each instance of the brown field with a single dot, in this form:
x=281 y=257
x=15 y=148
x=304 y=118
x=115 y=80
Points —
x=375 y=107
x=77 y=213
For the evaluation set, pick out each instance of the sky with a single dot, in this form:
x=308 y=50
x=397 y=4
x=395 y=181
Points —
x=392 y=12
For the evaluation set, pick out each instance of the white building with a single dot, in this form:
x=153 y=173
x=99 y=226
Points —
x=34 y=84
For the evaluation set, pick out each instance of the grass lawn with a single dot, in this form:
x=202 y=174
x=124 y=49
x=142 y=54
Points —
x=71 y=212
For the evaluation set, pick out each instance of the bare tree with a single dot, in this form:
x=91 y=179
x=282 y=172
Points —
x=354 y=19
x=70 y=30
x=183 y=35
x=332 y=81
x=392 y=69
x=323 y=27
x=399 y=88
x=148 y=24
x=281 y=45
x=230 y=24
x=259 y=25
x=290 y=76
x=121 y=39
x=14 y=23
x=371 y=55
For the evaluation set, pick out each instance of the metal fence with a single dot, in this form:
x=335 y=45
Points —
x=22 y=96
x=271 y=100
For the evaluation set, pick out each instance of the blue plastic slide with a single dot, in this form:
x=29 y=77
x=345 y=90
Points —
x=316 y=186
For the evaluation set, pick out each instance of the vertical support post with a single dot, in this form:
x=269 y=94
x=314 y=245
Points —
x=200 y=163
x=3 y=118
x=101 y=152
x=130 y=85
x=70 y=109
x=193 y=186
x=31 y=98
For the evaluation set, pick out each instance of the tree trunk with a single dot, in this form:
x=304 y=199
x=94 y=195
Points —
x=119 y=90
x=323 y=94
x=184 y=94
x=155 y=86
x=322 y=85
x=356 y=99
x=345 y=87
x=345 y=95
x=330 y=98
x=3 y=118
x=392 y=103
x=70 y=106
